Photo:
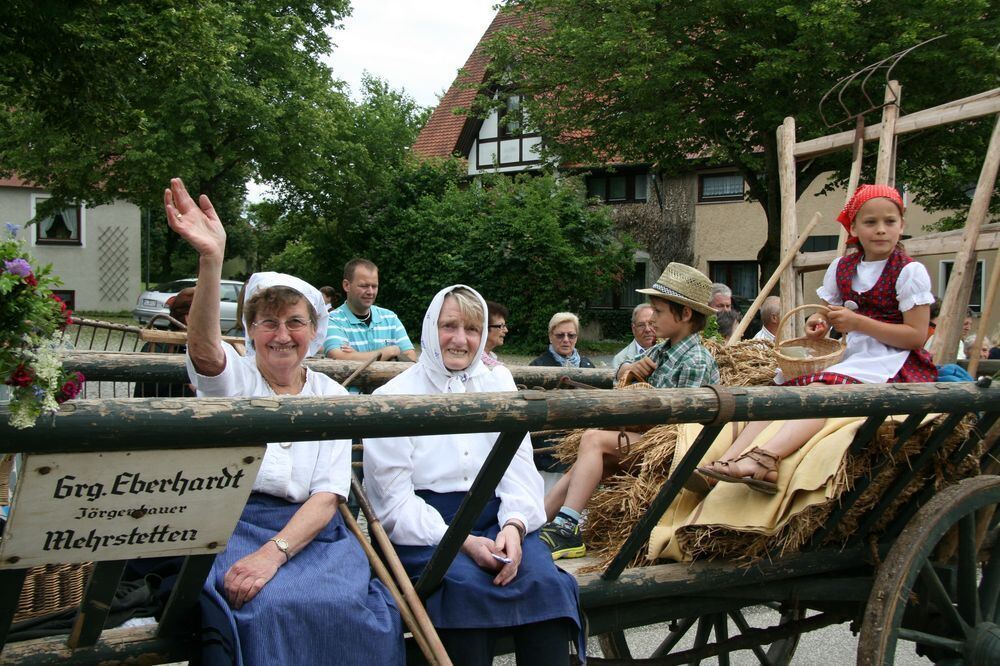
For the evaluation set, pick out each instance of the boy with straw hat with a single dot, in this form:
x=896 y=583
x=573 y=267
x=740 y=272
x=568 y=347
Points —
x=680 y=310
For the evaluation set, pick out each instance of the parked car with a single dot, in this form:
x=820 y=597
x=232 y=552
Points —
x=154 y=302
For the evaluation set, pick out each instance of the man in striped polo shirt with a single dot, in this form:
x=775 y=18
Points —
x=359 y=329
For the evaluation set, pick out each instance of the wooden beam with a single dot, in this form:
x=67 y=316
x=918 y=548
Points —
x=944 y=349
x=169 y=368
x=181 y=423
x=944 y=242
x=887 y=137
x=96 y=605
x=789 y=223
x=969 y=108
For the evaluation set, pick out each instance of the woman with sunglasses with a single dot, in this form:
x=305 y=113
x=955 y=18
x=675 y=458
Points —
x=293 y=585
x=564 y=328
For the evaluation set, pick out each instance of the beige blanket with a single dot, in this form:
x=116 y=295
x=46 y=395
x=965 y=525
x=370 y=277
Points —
x=806 y=478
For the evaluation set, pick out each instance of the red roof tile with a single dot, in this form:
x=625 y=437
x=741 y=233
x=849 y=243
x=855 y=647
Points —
x=441 y=136
x=14 y=181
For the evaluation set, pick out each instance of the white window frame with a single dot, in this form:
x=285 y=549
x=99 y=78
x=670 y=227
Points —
x=33 y=233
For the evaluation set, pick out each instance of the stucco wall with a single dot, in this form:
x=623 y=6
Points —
x=103 y=271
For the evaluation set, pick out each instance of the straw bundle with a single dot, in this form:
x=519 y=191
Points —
x=709 y=541
x=623 y=498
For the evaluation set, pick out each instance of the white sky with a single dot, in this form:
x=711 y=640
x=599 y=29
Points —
x=416 y=45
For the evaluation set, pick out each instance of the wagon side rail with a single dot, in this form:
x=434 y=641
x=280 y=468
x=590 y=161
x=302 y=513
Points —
x=153 y=423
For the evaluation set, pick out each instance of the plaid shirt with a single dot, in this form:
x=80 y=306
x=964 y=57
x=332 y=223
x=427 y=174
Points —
x=684 y=365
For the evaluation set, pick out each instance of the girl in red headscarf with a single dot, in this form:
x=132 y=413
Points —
x=880 y=299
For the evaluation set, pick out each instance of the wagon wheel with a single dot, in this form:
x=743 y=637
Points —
x=943 y=606
x=733 y=626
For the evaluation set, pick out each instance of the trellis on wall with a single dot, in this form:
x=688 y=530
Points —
x=113 y=256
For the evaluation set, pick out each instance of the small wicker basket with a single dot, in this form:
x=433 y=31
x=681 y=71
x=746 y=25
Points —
x=825 y=351
x=50 y=588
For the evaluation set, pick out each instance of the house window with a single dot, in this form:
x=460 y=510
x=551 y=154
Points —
x=820 y=243
x=618 y=188
x=740 y=276
x=976 y=297
x=726 y=186
x=510 y=118
x=624 y=295
x=63 y=227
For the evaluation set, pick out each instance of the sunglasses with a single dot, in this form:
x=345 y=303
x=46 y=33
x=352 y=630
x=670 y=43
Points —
x=565 y=336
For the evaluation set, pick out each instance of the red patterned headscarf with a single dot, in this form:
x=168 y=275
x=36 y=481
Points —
x=863 y=194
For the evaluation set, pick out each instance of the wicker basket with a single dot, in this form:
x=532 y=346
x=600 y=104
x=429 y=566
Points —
x=50 y=588
x=826 y=351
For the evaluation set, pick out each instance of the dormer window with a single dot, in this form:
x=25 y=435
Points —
x=510 y=118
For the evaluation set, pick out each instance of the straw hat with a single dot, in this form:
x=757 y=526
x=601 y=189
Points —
x=685 y=285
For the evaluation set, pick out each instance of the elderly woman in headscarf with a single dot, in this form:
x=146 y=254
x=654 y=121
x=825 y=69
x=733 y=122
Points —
x=503 y=581
x=293 y=585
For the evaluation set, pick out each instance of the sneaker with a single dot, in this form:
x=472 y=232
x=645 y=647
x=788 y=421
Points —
x=563 y=540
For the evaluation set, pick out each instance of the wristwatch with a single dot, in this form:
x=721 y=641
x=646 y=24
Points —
x=282 y=546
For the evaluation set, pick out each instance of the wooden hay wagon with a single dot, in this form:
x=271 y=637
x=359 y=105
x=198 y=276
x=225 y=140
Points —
x=931 y=576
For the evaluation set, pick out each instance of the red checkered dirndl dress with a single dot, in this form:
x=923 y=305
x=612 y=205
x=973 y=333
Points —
x=879 y=303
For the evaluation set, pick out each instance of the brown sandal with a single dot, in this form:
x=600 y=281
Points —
x=757 y=481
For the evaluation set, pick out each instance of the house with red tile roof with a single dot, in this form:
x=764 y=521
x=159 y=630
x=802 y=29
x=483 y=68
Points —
x=95 y=251
x=701 y=217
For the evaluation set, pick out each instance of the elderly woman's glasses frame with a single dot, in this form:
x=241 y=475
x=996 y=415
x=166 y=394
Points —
x=291 y=325
x=568 y=336
x=504 y=327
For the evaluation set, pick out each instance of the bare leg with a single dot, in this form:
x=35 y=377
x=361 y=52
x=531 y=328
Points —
x=557 y=495
x=744 y=439
x=597 y=458
x=789 y=439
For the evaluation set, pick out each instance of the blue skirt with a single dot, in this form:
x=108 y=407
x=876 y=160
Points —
x=467 y=597
x=322 y=607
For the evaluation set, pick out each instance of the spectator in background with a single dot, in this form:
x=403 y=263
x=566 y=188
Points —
x=727 y=320
x=359 y=329
x=969 y=344
x=770 y=315
x=643 y=335
x=329 y=296
x=497 y=332
x=564 y=329
x=722 y=297
x=966 y=327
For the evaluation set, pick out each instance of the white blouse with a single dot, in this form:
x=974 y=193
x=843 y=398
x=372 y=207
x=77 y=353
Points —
x=396 y=467
x=866 y=359
x=290 y=470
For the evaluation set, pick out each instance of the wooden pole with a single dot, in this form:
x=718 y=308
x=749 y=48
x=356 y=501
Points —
x=399 y=573
x=986 y=313
x=789 y=224
x=383 y=575
x=765 y=291
x=857 y=159
x=887 y=139
x=956 y=298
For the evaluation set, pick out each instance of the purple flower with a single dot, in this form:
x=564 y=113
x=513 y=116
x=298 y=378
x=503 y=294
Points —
x=12 y=229
x=17 y=267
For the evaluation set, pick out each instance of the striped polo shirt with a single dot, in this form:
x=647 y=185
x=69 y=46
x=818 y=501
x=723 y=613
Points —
x=385 y=330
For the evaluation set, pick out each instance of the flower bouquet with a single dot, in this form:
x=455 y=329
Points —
x=32 y=320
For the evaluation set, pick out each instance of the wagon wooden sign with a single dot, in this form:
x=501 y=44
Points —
x=78 y=507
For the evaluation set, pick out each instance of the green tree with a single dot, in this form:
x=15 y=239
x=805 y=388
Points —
x=659 y=82
x=106 y=100
x=531 y=243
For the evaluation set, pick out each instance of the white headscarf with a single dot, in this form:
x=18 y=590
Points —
x=431 y=363
x=266 y=280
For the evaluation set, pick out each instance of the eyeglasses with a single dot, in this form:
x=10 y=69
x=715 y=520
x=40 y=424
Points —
x=504 y=327
x=644 y=324
x=291 y=325
x=566 y=336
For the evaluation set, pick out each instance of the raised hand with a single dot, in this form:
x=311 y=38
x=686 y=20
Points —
x=197 y=223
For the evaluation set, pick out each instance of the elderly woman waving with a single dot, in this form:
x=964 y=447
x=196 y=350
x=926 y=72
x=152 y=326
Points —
x=503 y=581
x=292 y=586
